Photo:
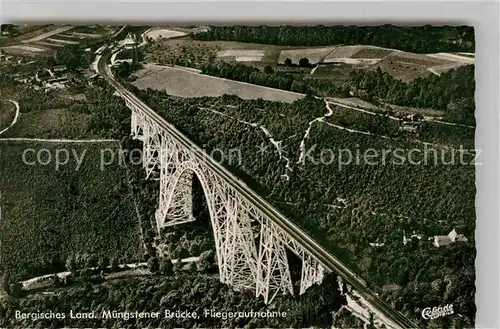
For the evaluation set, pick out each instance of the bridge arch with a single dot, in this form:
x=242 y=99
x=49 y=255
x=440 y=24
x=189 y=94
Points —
x=239 y=227
x=234 y=244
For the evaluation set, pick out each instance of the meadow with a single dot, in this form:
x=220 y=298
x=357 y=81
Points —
x=187 y=83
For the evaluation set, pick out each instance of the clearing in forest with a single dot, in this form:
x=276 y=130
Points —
x=186 y=83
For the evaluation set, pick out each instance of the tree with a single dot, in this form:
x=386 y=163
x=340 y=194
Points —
x=103 y=262
x=288 y=62
x=7 y=28
x=114 y=263
x=71 y=264
x=16 y=289
x=7 y=280
x=192 y=267
x=304 y=62
x=86 y=274
x=92 y=261
x=136 y=36
x=166 y=267
x=153 y=265
x=206 y=261
x=123 y=70
x=72 y=56
x=57 y=281
x=178 y=266
x=268 y=69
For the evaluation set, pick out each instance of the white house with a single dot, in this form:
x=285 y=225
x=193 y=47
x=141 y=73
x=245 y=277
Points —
x=452 y=237
x=129 y=42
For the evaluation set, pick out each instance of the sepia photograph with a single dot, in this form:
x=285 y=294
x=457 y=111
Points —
x=238 y=176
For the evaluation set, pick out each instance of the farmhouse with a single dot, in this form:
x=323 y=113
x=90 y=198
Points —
x=452 y=237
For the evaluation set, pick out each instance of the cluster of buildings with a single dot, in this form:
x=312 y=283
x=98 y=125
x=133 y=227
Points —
x=411 y=123
x=53 y=78
x=437 y=240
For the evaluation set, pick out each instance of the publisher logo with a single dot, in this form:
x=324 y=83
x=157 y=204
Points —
x=437 y=312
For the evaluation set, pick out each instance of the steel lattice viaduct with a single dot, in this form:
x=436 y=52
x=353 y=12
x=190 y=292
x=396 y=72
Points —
x=236 y=222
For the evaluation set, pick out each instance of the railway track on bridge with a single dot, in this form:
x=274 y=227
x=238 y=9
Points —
x=391 y=317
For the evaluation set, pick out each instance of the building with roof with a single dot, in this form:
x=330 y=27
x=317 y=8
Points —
x=129 y=42
x=415 y=235
x=452 y=237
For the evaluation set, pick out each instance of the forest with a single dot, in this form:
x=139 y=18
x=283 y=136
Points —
x=345 y=210
x=421 y=39
x=179 y=291
x=348 y=209
x=268 y=77
x=64 y=215
x=453 y=91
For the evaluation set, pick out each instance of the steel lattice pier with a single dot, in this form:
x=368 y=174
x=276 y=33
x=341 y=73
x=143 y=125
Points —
x=250 y=248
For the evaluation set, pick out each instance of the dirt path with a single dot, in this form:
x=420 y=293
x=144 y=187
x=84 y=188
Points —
x=16 y=104
x=302 y=146
x=277 y=144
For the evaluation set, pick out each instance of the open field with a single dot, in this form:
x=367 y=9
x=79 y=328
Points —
x=25 y=50
x=65 y=42
x=314 y=55
x=344 y=52
x=156 y=34
x=465 y=59
x=372 y=52
x=53 y=123
x=198 y=53
x=336 y=72
x=250 y=55
x=34 y=31
x=185 y=83
x=401 y=65
x=48 y=34
x=47 y=39
x=50 y=214
x=353 y=61
x=84 y=35
x=407 y=66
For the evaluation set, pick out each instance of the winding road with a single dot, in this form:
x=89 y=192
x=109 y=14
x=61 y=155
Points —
x=389 y=316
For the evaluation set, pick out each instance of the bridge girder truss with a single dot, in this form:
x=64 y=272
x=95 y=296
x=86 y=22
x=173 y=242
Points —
x=250 y=247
